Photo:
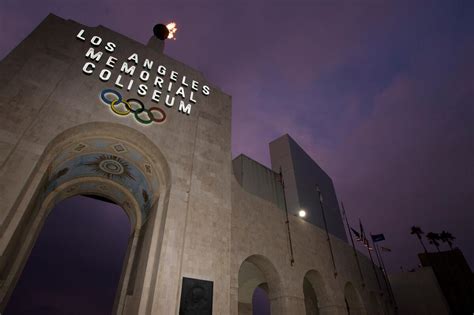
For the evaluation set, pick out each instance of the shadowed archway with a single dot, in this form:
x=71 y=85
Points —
x=353 y=301
x=76 y=263
x=257 y=272
x=315 y=292
x=102 y=159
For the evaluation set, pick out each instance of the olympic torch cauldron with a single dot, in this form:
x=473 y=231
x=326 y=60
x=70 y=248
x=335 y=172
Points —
x=162 y=32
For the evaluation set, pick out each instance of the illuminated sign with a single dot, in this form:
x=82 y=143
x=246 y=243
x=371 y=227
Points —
x=152 y=81
x=123 y=108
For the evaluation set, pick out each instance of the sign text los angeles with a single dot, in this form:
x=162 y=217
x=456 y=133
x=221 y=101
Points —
x=157 y=82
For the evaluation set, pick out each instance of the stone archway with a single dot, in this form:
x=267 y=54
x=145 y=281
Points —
x=77 y=260
x=104 y=159
x=315 y=292
x=257 y=271
x=353 y=301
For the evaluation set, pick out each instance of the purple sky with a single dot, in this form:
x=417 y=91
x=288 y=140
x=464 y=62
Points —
x=379 y=93
x=76 y=263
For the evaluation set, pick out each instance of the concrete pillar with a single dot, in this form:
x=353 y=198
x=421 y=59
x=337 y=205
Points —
x=234 y=297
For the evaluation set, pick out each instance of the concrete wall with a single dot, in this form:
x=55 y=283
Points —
x=418 y=292
x=301 y=175
x=258 y=180
x=202 y=224
x=48 y=105
x=454 y=276
x=259 y=235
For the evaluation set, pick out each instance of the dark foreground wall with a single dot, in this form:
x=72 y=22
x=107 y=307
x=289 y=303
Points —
x=419 y=293
x=455 y=278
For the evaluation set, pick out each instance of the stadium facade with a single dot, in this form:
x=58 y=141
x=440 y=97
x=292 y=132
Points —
x=89 y=111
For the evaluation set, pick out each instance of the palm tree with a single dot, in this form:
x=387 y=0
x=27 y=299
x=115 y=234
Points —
x=447 y=237
x=433 y=238
x=416 y=230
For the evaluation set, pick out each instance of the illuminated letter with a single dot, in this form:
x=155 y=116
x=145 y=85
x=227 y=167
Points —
x=161 y=70
x=127 y=70
x=191 y=98
x=155 y=97
x=95 y=56
x=183 y=81
x=86 y=70
x=117 y=82
x=144 y=75
x=111 y=62
x=167 y=103
x=158 y=81
x=174 y=76
x=133 y=57
x=110 y=47
x=184 y=109
x=130 y=84
x=148 y=64
x=79 y=35
x=205 y=90
x=195 y=85
x=96 y=40
x=105 y=75
x=142 y=88
x=180 y=91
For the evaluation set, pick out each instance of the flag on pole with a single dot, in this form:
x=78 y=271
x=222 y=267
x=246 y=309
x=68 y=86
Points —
x=385 y=249
x=363 y=238
x=369 y=249
x=378 y=238
x=350 y=229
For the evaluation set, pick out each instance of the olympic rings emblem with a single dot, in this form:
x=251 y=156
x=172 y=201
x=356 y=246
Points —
x=132 y=105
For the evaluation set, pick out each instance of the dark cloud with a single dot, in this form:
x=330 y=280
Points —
x=378 y=92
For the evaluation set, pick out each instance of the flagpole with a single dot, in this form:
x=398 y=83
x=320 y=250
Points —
x=353 y=245
x=373 y=266
x=292 y=259
x=326 y=227
x=370 y=254
x=382 y=268
x=389 y=284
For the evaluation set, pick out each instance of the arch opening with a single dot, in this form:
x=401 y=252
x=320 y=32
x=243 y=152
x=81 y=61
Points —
x=91 y=160
x=310 y=298
x=76 y=262
x=260 y=301
x=259 y=284
x=353 y=301
x=315 y=292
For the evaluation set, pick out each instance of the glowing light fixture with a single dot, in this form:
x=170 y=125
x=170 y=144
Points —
x=302 y=213
x=172 y=30
x=167 y=31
